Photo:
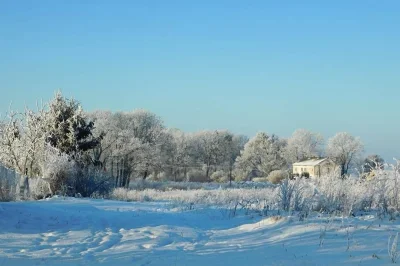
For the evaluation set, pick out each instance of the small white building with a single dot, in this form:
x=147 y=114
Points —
x=315 y=167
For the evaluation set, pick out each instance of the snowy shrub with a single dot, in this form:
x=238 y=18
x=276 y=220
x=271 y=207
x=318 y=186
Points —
x=285 y=194
x=332 y=192
x=120 y=194
x=219 y=176
x=384 y=188
x=305 y=174
x=275 y=177
x=292 y=195
x=195 y=175
x=140 y=184
x=256 y=199
x=350 y=195
x=67 y=177
x=328 y=194
x=260 y=179
x=92 y=181
x=170 y=176
x=304 y=195
x=163 y=176
x=58 y=169
x=153 y=177
x=39 y=188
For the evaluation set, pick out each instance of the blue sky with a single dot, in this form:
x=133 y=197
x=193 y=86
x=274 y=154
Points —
x=247 y=66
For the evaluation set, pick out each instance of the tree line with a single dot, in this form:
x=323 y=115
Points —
x=88 y=150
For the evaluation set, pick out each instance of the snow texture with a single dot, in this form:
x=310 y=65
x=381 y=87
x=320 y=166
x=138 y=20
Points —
x=69 y=231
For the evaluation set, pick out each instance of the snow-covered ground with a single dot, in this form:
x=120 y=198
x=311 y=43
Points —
x=102 y=232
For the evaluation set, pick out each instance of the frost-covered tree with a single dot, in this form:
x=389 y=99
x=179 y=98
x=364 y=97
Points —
x=126 y=152
x=67 y=127
x=178 y=154
x=372 y=162
x=13 y=152
x=58 y=169
x=183 y=159
x=133 y=143
x=43 y=142
x=148 y=128
x=22 y=141
x=107 y=131
x=233 y=146
x=35 y=134
x=262 y=154
x=303 y=144
x=210 y=148
x=344 y=149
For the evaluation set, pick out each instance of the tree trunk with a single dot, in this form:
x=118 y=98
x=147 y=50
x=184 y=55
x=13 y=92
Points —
x=122 y=173
x=128 y=179
x=121 y=178
x=116 y=177
x=208 y=173
x=343 y=170
x=175 y=171
x=230 y=176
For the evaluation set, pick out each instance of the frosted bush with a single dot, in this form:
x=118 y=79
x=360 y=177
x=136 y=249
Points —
x=295 y=195
x=195 y=175
x=275 y=177
x=219 y=197
x=219 y=176
x=330 y=194
x=350 y=195
x=140 y=184
x=39 y=188
x=260 y=179
x=58 y=169
x=341 y=195
x=120 y=194
x=93 y=182
x=163 y=176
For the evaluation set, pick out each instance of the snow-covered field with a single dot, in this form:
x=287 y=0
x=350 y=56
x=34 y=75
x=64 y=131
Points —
x=69 y=231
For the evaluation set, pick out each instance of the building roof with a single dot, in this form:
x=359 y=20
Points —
x=310 y=162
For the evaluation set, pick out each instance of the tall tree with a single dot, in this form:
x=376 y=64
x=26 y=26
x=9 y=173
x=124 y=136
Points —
x=149 y=129
x=67 y=127
x=233 y=146
x=302 y=145
x=344 y=149
x=132 y=143
x=108 y=132
x=262 y=154
x=13 y=152
x=22 y=141
x=179 y=157
x=210 y=149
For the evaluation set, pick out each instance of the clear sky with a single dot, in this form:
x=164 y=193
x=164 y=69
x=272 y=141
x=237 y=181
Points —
x=246 y=66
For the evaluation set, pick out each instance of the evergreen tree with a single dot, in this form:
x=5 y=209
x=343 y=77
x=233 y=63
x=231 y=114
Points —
x=68 y=129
